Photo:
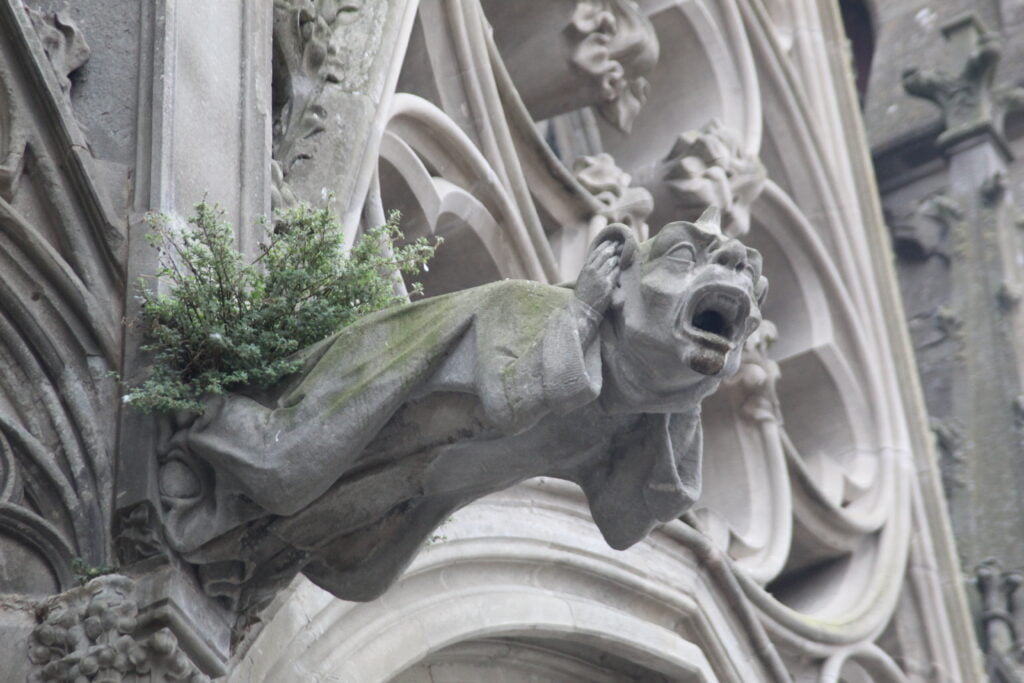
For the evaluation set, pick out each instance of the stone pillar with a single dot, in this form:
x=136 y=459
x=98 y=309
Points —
x=204 y=132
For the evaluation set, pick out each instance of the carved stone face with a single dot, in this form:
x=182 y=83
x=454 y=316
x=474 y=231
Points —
x=683 y=311
x=617 y=48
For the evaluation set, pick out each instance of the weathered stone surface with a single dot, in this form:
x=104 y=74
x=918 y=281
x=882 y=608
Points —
x=610 y=185
x=708 y=167
x=970 y=103
x=412 y=413
x=93 y=633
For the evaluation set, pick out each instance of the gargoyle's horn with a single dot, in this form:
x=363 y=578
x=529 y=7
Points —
x=710 y=220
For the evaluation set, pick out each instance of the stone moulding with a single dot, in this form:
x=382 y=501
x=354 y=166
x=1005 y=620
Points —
x=61 y=284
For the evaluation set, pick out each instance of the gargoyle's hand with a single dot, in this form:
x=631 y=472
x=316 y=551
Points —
x=594 y=286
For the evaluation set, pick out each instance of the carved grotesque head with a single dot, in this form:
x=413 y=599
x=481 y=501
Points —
x=617 y=46
x=687 y=301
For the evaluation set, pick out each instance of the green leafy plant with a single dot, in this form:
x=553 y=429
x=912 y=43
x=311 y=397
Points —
x=84 y=572
x=226 y=324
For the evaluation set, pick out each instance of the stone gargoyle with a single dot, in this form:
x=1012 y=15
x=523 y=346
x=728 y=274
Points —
x=405 y=416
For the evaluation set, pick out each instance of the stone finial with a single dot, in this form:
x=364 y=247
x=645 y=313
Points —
x=970 y=103
x=610 y=185
x=708 y=167
x=616 y=45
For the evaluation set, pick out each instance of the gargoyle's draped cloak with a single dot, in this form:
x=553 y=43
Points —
x=505 y=357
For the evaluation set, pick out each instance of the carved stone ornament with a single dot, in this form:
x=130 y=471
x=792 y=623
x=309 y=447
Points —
x=708 y=167
x=416 y=411
x=969 y=101
x=611 y=186
x=923 y=233
x=92 y=633
x=63 y=42
x=759 y=375
x=615 y=45
x=1002 y=620
x=305 y=60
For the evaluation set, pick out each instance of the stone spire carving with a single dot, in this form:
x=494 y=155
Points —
x=611 y=186
x=708 y=167
x=969 y=100
x=614 y=44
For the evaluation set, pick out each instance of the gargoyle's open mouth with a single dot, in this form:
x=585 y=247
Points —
x=717 y=316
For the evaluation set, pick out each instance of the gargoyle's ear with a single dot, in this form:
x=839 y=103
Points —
x=621 y=233
x=761 y=290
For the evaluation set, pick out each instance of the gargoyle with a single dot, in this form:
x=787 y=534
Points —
x=413 y=412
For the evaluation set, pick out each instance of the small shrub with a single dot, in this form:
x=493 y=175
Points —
x=84 y=572
x=226 y=324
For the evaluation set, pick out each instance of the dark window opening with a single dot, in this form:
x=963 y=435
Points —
x=857 y=22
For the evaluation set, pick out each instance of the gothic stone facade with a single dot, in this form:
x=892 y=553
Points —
x=819 y=548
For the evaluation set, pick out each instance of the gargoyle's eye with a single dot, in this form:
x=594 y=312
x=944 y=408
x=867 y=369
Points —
x=681 y=253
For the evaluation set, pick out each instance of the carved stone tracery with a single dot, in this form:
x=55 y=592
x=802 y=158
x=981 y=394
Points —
x=96 y=632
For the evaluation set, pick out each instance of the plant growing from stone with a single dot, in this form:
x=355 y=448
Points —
x=225 y=324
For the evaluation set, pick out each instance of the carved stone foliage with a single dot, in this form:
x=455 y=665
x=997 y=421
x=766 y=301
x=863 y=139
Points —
x=614 y=44
x=63 y=42
x=93 y=633
x=708 y=167
x=61 y=293
x=306 y=59
x=969 y=101
x=611 y=186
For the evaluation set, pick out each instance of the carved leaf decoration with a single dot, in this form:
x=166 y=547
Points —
x=61 y=297
x=304 y=63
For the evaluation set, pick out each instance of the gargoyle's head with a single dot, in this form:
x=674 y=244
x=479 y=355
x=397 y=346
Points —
x=687 y=301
